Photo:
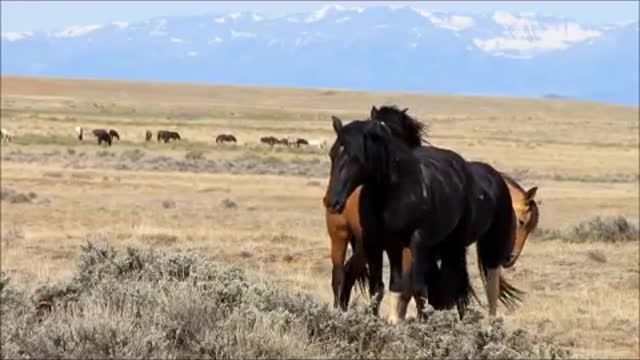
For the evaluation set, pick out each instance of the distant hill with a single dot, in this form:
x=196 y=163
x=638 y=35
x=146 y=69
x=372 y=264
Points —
x=376 y=48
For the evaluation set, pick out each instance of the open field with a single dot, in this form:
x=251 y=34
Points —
x=260 y=208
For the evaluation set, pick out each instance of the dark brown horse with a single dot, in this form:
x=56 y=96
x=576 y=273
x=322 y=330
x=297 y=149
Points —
x=301 y=142
x=148 y=135
x=166 y=135
x=114 y=134
x=222 y=138
x=270 y=140
x=102 y=135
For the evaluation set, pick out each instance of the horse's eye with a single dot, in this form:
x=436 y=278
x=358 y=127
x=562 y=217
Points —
x=341 y=148
x=521 y=222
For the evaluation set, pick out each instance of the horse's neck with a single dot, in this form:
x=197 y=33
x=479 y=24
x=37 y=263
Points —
x=401 y=183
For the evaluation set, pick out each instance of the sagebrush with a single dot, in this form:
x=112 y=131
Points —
x=149 y=304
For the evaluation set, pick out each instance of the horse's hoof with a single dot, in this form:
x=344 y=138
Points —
x=393 y=320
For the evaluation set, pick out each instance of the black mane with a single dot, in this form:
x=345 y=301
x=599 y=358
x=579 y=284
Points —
x=402 y=125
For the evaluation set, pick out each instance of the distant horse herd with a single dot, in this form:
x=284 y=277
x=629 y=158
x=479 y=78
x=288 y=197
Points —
x=422 y=205
x=107 y=136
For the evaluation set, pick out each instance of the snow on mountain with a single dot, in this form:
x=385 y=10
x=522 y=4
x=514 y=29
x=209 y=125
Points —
x=380 y=48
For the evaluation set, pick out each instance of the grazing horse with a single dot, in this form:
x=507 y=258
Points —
x=270 y=140
x=225 y=138
x=301 y=142
x=166 y=135
x=102 y=135
x=284 y=141
x=415 y=198
x=114 y=134
x=148 y=135
x=6 y=135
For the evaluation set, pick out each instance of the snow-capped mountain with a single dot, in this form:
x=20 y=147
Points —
x=375 y=48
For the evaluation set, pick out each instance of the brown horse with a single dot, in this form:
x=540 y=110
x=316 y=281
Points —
x=344 y=228
x=301 y=142
x=148 y=135
x=114 y=134
x=166 y=135
x=270 y=140
x=225 y=138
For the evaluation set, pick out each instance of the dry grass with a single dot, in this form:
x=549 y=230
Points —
x=276 y=227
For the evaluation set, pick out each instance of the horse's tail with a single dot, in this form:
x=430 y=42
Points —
x=450 y=285
x=508 y=294
x=362 y=277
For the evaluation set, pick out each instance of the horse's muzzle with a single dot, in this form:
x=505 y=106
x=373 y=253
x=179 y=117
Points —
x=334 y=207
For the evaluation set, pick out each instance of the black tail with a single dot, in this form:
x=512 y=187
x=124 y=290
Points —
x=509 y=295
x=450 y=285
x=362 y=277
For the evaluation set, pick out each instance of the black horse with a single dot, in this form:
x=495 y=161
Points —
x=493 y=224
x=166 y=135
x=415 y=198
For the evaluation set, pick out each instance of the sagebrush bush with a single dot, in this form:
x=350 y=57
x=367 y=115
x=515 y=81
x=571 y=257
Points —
x=149 y=304
x=608 y=229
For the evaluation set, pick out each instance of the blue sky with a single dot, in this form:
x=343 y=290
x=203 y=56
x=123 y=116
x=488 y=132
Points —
x=47 y=15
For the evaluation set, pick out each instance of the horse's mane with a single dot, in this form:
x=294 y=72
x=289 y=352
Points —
x=402 y=124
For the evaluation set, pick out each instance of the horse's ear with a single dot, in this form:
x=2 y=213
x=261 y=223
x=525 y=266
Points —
x=337 y=123
x=405 y=110
x=374 y=112
x=531 y=193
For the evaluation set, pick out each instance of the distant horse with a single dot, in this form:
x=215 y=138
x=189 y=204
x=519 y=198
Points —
x=101 y=135
x=114 y=134
x=270 y=140
x=415 y=198
x=166 y=135
x=148 y=135
x=6 y=135
x=301 y=142
x=225 y=138
x=284 y=141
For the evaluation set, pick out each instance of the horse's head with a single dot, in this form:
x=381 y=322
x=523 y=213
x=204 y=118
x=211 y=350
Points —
x=359 y=148
x=402 y=126
x=527 y=215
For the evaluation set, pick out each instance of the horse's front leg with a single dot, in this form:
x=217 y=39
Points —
x=400 y=290
x=339 y=241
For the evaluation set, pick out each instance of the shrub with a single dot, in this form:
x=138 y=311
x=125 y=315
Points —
x=608 y=229
x=150 y=304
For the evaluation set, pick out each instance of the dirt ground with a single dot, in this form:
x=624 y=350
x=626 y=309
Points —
x=260 y=207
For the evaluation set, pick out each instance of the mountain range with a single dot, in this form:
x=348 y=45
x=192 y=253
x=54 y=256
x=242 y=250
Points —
x=373 y=48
